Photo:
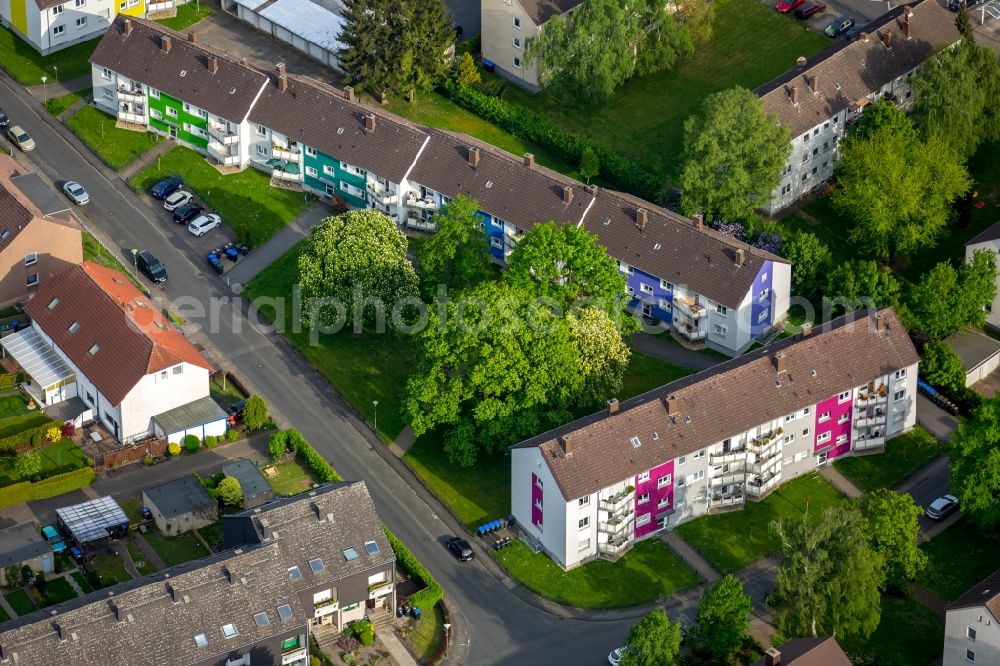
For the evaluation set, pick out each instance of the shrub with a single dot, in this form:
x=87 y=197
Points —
x=35 y=439
x=148 y=461
x=364 y=631
x=314 y=660
x=211 y=441
x=424 y=599
x=26 y=491
x=232 y=435
x=174 y=449
x=68 y=430
x=192 y=443
x=33 y=435
x=53 y=434
x=293 y=440
x=277 y=446
x=347 y=643
x=255 y=412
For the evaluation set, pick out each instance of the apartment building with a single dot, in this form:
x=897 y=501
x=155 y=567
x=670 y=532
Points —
x=715 y=440
x=307 y=135
x=972 y=625
x=819 y=98
x=294 y=568
x=988 y=240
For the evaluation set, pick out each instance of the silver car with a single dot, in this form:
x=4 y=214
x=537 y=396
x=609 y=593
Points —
x=942 y=507
x=75 y=191
x=202 y=224
x=177 y=199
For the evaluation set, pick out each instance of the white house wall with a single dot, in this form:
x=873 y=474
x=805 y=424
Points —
x=986 y=644
x=154 y=394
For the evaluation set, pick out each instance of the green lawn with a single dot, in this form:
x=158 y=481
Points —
x=13 y=405
x=752 y=44
x=3 y=616
x=108 y=569
x=63 y=456
x=176 y=550
x=649 y=572
x=224 y=395
x=958 y=558
x=292 y=478
x=132 y=506
x=245 y=200
x=903 y=456
x=116 y=147
x=187 y=15
x=732 y=541
x=57 y=105
x=21 y=602
x=57 y=591
x=94 y=251
x=138 y=558
x=909 y=633
x=82 y=581
x=213 y=534
x=25 y=65
x=667 y=336
x=645 y=373
x=427 y=634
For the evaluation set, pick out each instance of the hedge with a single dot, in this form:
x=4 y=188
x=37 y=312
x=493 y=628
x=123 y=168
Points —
x=25 y=491
x=294 y=441
x=13 y=441
x=426 y=598
x=525 y=124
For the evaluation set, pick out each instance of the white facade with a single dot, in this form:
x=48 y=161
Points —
x=506 y=29
x=971 y=636
x=66 y=24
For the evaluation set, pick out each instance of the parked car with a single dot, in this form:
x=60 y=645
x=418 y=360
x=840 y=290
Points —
x=76 y=554
x=785 y=6
x=942 y=507
x=151 y=266
x=853 y=33
x=75 y=191
x=4 y=120
x=202 y=224
x=177 y=199
x=955 y=5
x=810 y=9
x=165 y=188
x=839 y=26
x=616 y=655
x=53 y=538
x=186 y=213
x=461 y=549
x=21 y=138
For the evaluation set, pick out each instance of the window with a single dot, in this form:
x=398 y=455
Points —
x=80 y=3
x=82 y=21
x=584 y=501
x=262 y=150
x=841 y=439
x=721 y=309
x=517 y=42
x=815 y=169
x=201 y=640
x=163 y=375
x=663 y=503
x=517 y=22
x=805 y=176
x=316 y=564
x=805 y=432
x=815 y=131
x=371 y=547
x=681 y=460
x=328 y=170
x=698 y=476
x=825 y=416
x=720 y=330
x=645 y=288
x=900 y=373
x=496 y=242
x=294 y=573
x=665 y=305
x=825 y=437
x=643 y=477
x=763 y=294
x=970 y=655
x=261 y=619
x=311 y=171
x=178 y=370
x=663 y=481
x=970 y=633
x=815 y=151
x=805 y=138
x=583 y=545
x=699 y=454
x=154 y=93
x=538 y=482
x=625 y=268
x=58 y=30
x=350 y=553
x=642 y=520
x=666 y=285
x=762 y=317
x=517 y=62
x=630 y=291
x=31 y=258
x=53 y=303
x=153 y=113
x=789 y=438
x=32 y=280
x=805 y=157
x=57 y=10
x=105 y=73
x=583 y=523
x=643 y=498
x=172 y=112
x=285 y=612
x=229 y=630
x=899 y=395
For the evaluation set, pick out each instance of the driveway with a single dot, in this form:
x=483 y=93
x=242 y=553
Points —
x=863 y=11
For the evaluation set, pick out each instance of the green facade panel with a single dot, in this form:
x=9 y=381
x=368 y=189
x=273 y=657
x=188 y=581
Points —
x=329 y=172
x=181 y=117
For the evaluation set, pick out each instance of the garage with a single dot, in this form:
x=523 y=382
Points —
x=200 y=418
x=980 y=354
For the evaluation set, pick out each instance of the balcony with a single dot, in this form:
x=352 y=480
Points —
x=615 y=546
x=869 y=444
x=380 y=194
x=760 y=445
x=869 y=421
x=727 y=480
x=131 y=95
x=872 y=398
x=423 y=225
x=153 y=7
x=134 y=118
x=690 y=331
x=760 y=488
x=619 y=523
x=222 y=135
x=689 y=306
x=764 y=464
x=380 y=590
x=618 y=501
x=325 y=608
x=719 y=501
x=414 y=200
x=287 y=154
x=285 y=175
x=732 y=456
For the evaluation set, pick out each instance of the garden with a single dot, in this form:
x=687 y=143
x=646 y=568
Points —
x=958 y=558
x=903 y=456
x=116 y=147
x=25 y=64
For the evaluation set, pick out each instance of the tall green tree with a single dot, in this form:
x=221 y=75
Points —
x=723 y=619
x=353 y=267
x=884 y=116
x=602 y=355
x=810 y=259
x=964 y=25
x=829 y=578
x=458 y=254
x=466 y=72
x=946 y=300
x=368 y=57
x=653 y=641
x=897 y=190
x=733 y=156
x=590 y=164
x=942 y=368
x=255 y=412
x=432 y=35
x=975 y=465
x=978 y=281
x=862 y=283
x=892 y=527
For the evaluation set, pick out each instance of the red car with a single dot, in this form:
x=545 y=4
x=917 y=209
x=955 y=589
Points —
x=809 y=9
x=785 y=6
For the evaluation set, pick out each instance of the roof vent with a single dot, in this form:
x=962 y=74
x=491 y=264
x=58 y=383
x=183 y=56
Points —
x=777 y=383
x=232 y=91
x=812 y=373
x=165 y=43
x=489 y=184
x=340 y=130
x=657 y=246
x=656 y=436
x=607 y=221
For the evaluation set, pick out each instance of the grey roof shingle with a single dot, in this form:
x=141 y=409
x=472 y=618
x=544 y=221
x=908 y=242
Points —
x=179 y=497
x=183 y=72
x=155 y=630
x=19 y=544
x=727 y=399
x=251 y=480
x=984 y=593
x=973 y=347
x=849 y=71
x=193 y=414
x=990 y=234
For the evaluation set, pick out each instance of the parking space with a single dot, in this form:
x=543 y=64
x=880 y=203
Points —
x=863 y=12
x=197 y=246
x=986 y=24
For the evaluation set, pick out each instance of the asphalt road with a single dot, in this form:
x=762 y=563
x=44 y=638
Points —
x=492 y=625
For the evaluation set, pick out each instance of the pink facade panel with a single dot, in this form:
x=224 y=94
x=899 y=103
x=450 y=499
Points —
x=653 y=497
x=536 y=500
x=833 y=425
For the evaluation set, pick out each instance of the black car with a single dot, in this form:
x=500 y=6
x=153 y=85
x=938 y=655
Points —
x=853 y=33
x=839 y=26
x=461 y=549
x=165 y=188
x=955 y=5
x=4 y=120
x=151 y=266
x=185 y=214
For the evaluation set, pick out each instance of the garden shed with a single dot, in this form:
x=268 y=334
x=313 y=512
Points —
x=180 y=506
x=22 y=545
x=256 y=489
x=92 y=521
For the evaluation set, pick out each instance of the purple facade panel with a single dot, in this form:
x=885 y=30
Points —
x=536 y=500
x=653 y=497
x=762 y=300
x=833 y=426
x=648 y=293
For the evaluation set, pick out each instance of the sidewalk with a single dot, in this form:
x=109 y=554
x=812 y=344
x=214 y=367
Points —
x=940 y=423
x=691 y=557
x=53 y=89
x=143 y=161
x=399 y=654
x=671 y=352
x=840 y=482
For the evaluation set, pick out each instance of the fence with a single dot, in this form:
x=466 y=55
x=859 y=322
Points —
x=131 y=453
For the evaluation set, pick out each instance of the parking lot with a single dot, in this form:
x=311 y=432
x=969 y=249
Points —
x=863 y=11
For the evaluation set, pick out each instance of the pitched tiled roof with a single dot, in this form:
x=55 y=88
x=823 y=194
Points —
x=849 y=71
x=131 y=337
x=990 y=234
x=155 y=630
x=17 y=210
x=320 y=116
x=541 y=11
x=673 y=249
x=183 y=72
x=727 y=399
x=821 y=651
x=984 y=593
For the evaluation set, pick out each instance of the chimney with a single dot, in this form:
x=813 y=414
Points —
x=280 y=69
x=740 y=256
x=908 y=25
x=641 y=218
x=672 y=408
x=117 y=612
x=567 y=443
x=794 y=93
x=60 y=632
x=613 y=406
x=128 y=27
x=865 y=36
x=780 y=362
x=593 y=189
x=567 y=194
x=230 y=576
x=172 y=591
x=213 y=64
x=698 y=220
x=887 y=39
x=165 y=43
x=814 y=84
x=349 y=93
x=880 y=324
x=473 y=156
x=772 y=657
x=529 y=160
x=243 y=61
x=370 y=122
x=807 y=329
x=317 y=511
x=192 y=37
x=282 y=82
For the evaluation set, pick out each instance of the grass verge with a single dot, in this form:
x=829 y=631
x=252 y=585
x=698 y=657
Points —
x=94 y=251
x=187 y=15
x=57 y=105
x=28 y=67
x=903 y=456
x=116 y=147
x=427 y=635
x=908 y=633
x=176 y=550
x=958 y=558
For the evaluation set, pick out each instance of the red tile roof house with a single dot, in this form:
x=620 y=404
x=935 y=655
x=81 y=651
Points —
x=709 y=442
x=101 y=346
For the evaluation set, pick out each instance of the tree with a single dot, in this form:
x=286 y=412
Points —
x=897 y=189
x=355 y=266
x=829 y=578
x=28 y=464
x=277 y=446
x=733 y=156
x=590 y=164
x=975 y=465
x=653 y=641
x=723 y=618
x=698 y=16
x=255 y=412
x=810 y=259
x=964 y=25
x=978 y=287
x=855 y=284
x=229 y=491
x=946 y=300
x=192 y=443
x=602 y=355
x=892 y=528
x=942 y=368
x=368 y=57
x=884 y=116
x=458 y=254
x=466 y=72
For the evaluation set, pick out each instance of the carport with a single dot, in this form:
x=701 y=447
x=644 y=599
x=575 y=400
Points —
x=200 y=418
x=92 y=521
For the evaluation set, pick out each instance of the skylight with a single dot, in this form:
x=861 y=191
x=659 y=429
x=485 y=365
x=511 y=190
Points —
x=5 y=235
x=93 y=350
x=607 y=221
x=294 y=573
x=657 y=246
x=489 y=184
x=656 y=436
x=285 y=612
x=184 y=73
x=74 y=327
x=261 y=619
x=201 y=640
x=636 y=443
x=316 y=565
x=229 y=630
x=350 y=553
x=53 y=303
x=371 y=547
x=232 y=91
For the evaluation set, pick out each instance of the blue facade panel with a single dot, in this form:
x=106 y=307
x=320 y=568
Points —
x=649 y=291
x=762 y=300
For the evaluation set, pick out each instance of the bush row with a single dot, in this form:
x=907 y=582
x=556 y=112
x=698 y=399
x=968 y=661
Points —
x=426 y=598
x=13 y=441
x=525 y=124
x=292 y=440
x=25 y=491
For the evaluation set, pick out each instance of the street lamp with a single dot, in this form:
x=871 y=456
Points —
x=447 y=631
x=45 y=95
x=56 y=70
x=135 y=260
x=375 y=404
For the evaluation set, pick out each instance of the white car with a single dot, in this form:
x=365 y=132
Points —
x=177 y=199
x=75 y=191
x=616 y=655
x=202 y=224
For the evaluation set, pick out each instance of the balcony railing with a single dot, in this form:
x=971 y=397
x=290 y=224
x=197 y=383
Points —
x=222 y=135
x=614 y=546
x=380 y=590
x=765 y=464
x=762 y=488
x=287 y=154
x=618 y=500
x=382 y=195
x=423 y=225
x=689 y=331
x=133 y=95
x=869 y=421
x=870 y=399
x=726 y=480
x=159 y=6
x=727 y=457
x=325 y=607
x=219 y=150
x=413 y=200
x=689 y=306
x=277 y=174
x=716 y=501
x=864 y=443
x=137 y=118
x=761 y=444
